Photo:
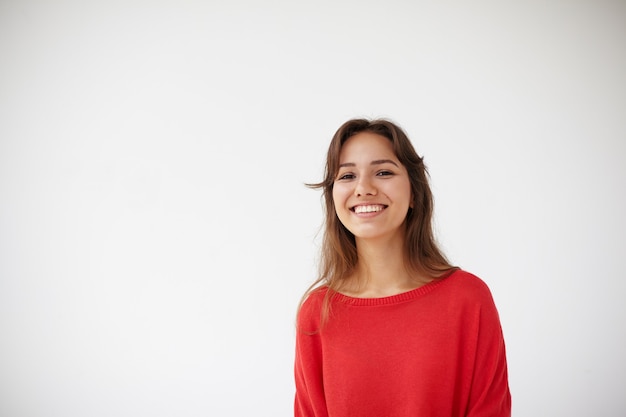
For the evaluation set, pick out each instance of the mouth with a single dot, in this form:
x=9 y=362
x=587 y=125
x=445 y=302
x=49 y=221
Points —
x=369 y=208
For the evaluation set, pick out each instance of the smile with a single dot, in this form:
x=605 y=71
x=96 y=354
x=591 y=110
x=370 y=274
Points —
x=369 y=208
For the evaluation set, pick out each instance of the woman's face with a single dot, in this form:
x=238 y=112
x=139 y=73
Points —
x=372 y=191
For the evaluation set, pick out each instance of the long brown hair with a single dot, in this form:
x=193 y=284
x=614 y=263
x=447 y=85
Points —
x=338 y=253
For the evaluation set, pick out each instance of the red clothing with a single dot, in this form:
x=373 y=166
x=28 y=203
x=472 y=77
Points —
x=437 y=350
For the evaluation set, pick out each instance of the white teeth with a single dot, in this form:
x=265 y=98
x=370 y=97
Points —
x=367 y=209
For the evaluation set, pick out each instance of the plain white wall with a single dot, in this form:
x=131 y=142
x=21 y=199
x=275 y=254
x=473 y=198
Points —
x=156 y=236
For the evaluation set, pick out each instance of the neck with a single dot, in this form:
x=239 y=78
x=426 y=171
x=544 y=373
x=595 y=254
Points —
x=381 y=270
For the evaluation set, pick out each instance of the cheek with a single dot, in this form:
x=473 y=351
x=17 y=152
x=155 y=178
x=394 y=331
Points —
x=339 y=201
x=338 y=197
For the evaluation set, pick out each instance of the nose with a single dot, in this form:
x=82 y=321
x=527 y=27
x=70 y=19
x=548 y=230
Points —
x=364 y=186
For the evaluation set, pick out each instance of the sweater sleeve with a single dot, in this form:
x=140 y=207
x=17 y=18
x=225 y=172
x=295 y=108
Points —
x=309 y=398
x=490 y=395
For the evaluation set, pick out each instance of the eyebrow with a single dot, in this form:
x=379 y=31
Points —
x=375 y=162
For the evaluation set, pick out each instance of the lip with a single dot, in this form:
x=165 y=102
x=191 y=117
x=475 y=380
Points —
x=369 y=209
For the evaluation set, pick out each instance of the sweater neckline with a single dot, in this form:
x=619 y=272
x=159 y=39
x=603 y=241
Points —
x=396 y=298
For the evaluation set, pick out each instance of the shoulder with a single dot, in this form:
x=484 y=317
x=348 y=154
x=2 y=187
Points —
x=465 y=285
x=310 y=310
x=470 y=293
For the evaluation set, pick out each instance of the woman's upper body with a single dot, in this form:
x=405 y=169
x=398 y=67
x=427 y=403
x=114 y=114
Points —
x=391 y=329
x=433 y=351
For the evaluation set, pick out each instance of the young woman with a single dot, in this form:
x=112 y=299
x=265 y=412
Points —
x=391 y=328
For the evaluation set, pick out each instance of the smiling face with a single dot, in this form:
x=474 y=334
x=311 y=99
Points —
x=372 y=191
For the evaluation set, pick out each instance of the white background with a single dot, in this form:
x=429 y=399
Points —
x=156 y=235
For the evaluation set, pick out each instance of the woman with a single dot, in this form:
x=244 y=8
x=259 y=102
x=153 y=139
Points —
x=391 y=328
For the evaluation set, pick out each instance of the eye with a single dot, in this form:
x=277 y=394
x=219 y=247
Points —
x=346 y=176
x=384 y=173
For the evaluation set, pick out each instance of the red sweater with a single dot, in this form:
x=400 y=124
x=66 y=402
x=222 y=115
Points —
x=434 y=351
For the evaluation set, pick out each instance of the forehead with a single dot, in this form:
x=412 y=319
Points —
x=367 y=145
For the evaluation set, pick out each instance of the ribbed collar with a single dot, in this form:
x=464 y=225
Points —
x=396 y=298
